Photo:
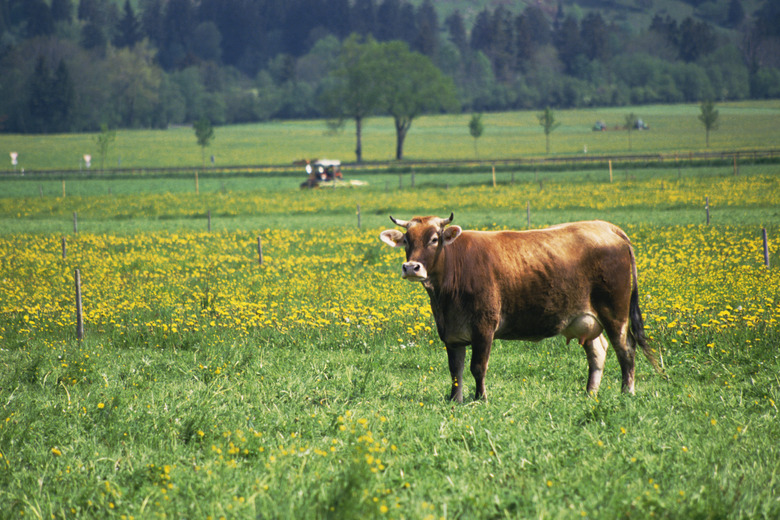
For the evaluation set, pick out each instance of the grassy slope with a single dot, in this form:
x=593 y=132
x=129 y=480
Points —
x=673 y=128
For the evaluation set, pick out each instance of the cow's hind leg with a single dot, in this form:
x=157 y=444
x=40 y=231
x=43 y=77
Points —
x=480 y=355
x=626 y=353
x=456 y=358
x=596 y=352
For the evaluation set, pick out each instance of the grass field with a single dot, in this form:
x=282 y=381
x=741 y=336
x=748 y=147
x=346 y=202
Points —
x=673 y=129
x=314 y=386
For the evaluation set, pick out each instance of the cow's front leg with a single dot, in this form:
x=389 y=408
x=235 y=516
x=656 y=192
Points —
x=456 y=357
x=480 y=355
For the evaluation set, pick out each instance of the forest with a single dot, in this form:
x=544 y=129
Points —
x=76 y=65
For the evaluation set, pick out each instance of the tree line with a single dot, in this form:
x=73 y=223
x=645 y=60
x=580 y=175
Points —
x=74 y=65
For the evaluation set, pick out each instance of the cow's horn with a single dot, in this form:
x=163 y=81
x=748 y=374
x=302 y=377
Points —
x=398 y=222
x=444 y=221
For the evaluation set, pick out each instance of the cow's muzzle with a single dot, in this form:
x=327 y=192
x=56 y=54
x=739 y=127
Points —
x=414 y=272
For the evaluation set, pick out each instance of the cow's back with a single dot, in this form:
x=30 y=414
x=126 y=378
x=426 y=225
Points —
x=532 y=282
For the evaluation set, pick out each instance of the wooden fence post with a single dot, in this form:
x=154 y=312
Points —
x=79 y=309
x=197 y=187
x=766 y=247
x=358 y=212
x=528 y=214
x=259 y=251
x=707 y=209
x=63 y=188
x=75 y=223
x=64 y=248
x=209 y=218
x=494 y=175
x=610 y=170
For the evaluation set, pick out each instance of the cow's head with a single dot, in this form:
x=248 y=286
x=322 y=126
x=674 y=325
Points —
x=423 y=241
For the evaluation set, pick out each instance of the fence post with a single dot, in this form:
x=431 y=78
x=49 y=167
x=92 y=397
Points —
x=79 y=309
x=494 y=175
x=64 y=248
x=528 y=214
x=63 y=188
x=75 y=223
x=610 y=170
x=209 y=217
x=358 y=213
x=707 y=209
x=197 y=187
x=766 y=247
x=259 y=251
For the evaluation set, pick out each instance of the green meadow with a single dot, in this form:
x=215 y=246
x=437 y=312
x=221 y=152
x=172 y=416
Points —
x=673 y=129
x=313 y=385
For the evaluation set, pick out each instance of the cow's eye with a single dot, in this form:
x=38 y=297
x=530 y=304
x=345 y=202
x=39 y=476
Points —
x=434 y=240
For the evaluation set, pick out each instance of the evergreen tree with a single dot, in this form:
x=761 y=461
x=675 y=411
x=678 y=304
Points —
x=389 y=12
x=39 y=20
x=129 y=29
x=62 y=10
x=63 y=99
x=427 y=41
x=696 y=39
x=569 y=43
x=594 y=35
x=457 y=31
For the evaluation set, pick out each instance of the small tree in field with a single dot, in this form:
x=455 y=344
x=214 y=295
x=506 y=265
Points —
x=631 y=121
x=475 y=129
x=103 y=141
x=709 y=118
x=204 y=133
x=548 y=122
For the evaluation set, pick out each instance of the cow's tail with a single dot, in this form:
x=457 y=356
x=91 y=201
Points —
x=636 y=334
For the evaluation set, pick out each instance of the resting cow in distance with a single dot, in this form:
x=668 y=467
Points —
x=578 y=280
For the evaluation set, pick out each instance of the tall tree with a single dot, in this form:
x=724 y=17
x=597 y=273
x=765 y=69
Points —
x=594 y=35
x=62 y=10
x=103 y=141
x=456 y=29
x=39 y=20
x=427 y=40
x=569 y=43
x=476 y=128
x=204 y=133
x=631 y=121
x=129 y=29
x=709 y=118
x=353 y=90
x=412 y=85
x=696 y=39
x=549 y=124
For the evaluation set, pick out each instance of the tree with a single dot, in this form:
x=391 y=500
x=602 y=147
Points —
x=709 y=118
x=353 y=89
x=129 y=28
x=631 y=121
x=411 y=85
x=475 y=129
x=204 y=133
x=103 y=141
x=548 y=122
x=61 y=10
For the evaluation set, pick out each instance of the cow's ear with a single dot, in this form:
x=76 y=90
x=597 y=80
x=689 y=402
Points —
x=392 y=237
x=450 y=234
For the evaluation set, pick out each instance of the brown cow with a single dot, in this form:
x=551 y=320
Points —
x=577 y=280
